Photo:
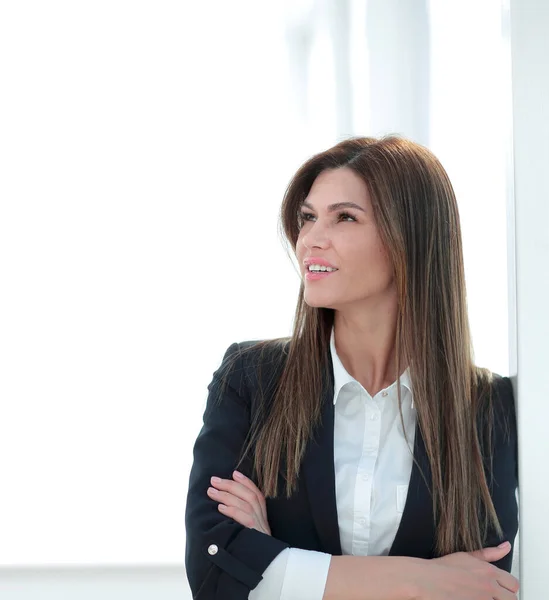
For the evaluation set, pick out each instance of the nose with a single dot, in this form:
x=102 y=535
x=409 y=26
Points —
x=316 y=237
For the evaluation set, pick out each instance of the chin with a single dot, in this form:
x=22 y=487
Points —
x=317 y=303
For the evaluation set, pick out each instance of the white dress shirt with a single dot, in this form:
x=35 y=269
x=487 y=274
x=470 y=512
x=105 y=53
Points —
x=373 y=464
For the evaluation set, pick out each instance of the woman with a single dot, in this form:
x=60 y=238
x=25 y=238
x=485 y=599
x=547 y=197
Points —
x=375 y=460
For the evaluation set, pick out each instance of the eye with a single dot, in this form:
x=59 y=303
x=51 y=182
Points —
x=305 y=216
x=346 y=215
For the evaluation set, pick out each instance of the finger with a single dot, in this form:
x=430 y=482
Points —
x=238 y=515
x=246 y=481
x=234 y=487
x=244 y=518
x=229 y=500
x=239 y=491
x=259 y=506
x=256 y=505
x=508 y=581
x=503 y=594
x=491 y=554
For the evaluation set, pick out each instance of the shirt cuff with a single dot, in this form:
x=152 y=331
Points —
x=270 y=587
x=306 y=574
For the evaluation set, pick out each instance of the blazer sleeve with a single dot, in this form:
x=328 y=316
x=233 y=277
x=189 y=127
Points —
x=506 y=476
x=224 y=560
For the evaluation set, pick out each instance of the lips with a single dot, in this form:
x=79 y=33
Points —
x=317 y=260
x=314 y=275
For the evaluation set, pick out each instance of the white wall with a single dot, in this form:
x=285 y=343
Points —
x=143 y=144
x=530 y=55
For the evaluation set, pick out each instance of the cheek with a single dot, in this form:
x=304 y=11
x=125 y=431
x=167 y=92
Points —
x=300 y=249
x=377 y=248
x=371 y=261
x=299 y=254
x=384 y=256
x=362 y=253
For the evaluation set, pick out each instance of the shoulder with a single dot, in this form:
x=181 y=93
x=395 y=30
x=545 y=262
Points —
x=249 y=363
x=499 y=404
x=504 y=394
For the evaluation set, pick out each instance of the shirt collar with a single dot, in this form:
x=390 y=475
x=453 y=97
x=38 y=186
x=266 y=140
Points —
x=342 y=377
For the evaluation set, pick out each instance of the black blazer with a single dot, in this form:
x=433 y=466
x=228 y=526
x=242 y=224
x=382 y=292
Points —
x=225 y=560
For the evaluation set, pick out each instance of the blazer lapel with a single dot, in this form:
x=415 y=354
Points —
x=319 y=473
x=416 y=532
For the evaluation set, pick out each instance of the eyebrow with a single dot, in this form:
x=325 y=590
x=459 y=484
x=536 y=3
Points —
x=336 y=206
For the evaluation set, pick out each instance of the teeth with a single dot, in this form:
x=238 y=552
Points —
x=320 y=268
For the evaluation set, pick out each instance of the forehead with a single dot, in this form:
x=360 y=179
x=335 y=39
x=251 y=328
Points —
x=338 y=185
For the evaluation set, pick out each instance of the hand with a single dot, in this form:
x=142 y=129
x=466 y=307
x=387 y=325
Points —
x=241 y=500
x=463 y=559
x=470 y=576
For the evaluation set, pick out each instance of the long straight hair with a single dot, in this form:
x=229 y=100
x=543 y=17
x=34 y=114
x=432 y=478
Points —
x=416 y=213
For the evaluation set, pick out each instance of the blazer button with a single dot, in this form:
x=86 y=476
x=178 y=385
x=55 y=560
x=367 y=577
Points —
x=212 y=549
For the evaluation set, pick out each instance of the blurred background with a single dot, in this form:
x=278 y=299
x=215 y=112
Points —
x=146 y=147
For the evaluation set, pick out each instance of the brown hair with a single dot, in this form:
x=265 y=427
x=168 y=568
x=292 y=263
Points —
x=416 y=212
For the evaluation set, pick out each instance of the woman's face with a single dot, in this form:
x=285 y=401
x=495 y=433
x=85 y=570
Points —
x=347 y=237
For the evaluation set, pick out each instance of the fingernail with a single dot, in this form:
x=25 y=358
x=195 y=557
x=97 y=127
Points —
x=216 y=480
x=503 y=545
x=238 y=475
